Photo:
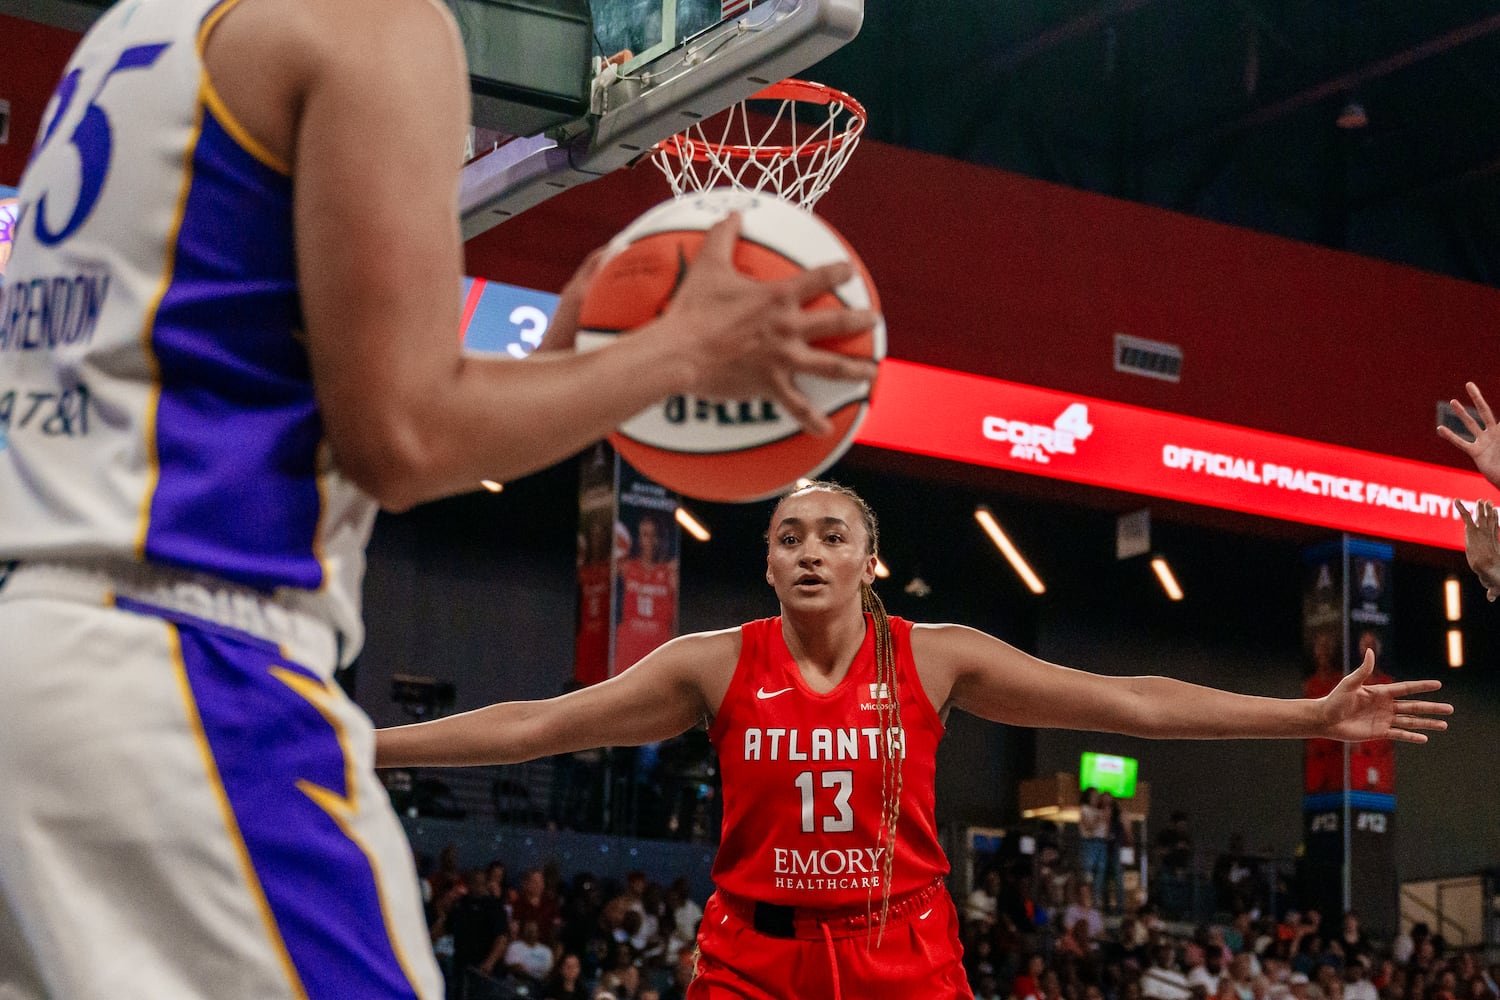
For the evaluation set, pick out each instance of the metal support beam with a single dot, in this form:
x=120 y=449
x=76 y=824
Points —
x=1334 y=87
x=1086 y=23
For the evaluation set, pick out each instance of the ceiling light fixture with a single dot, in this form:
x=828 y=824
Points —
x=1167 y=577
x=1455 y=647
x=881 y=569
x=692 y=525
x=1452 y=599
x=1008 y=549
x=1352 y=117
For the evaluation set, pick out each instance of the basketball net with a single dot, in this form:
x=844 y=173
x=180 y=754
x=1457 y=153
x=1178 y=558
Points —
x=792 y=139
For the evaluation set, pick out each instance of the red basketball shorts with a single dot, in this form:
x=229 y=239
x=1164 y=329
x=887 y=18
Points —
x=834 y=958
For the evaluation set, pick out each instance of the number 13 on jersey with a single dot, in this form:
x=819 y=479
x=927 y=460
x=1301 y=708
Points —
x=839 y=818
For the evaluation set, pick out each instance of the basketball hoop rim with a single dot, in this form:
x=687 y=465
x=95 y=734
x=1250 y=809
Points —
x=684 y=147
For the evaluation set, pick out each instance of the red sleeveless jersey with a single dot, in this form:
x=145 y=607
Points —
x=802 y=777
x=648 y=611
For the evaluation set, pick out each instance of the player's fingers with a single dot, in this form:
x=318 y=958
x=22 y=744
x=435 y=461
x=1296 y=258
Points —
x=1420 y=722
x=1422 y=707
x=719 y=241
x=1469 y=423
x=816 y=324
x=799 y=407
x=1405 y=689
x=1479 y=404
x=1447 y=435
x=1465 y=516
x=809 y=284
x=829 y=364
x=1402 y=736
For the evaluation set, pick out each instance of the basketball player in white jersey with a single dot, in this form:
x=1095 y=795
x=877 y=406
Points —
x=228 y=330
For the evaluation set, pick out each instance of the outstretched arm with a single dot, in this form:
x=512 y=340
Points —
x=1484 y=450
x=996 y=681
x=1482 y=544
x=661 y=696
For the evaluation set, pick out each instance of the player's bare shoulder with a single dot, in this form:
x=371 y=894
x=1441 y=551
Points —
x=714 y=652
x=937 y=643
x=942 y=652
x=708 y=660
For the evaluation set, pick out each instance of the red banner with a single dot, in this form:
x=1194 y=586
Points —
x=1005 y=425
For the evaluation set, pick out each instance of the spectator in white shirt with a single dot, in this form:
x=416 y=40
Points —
x=979 y=908
x=1083 y=908
x=686 y=915
x=1207 y=970
x=1357 y=985
x=1163 y=981
x=527 y=958
x=1093 y=839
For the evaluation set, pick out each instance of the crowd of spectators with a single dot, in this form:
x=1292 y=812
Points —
x=1035 y=932
x=539 y=936
x=1033 y=929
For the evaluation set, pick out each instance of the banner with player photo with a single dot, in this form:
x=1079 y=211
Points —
x=647 y=572
x=1349 y=799
x=593 y=632
x=628 y=545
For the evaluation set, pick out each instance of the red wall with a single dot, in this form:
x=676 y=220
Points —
x=33 y=60
x=1001 y=275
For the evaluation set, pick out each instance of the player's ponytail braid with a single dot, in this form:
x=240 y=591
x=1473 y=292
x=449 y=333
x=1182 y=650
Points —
x=888 y=715
x=887 y=703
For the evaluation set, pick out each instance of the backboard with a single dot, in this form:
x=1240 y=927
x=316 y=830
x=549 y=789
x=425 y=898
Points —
x=693 y=58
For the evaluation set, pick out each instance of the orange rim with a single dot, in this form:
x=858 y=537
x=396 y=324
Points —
x=686 y=148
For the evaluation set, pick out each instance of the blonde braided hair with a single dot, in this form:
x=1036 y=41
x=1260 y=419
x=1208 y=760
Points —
x=887 y=708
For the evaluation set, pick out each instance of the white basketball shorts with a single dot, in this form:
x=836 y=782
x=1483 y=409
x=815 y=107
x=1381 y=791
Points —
x=187 y=803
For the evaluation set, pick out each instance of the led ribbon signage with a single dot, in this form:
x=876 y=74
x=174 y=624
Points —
x=1005 y=425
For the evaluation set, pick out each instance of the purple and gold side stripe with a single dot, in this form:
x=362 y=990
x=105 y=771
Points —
x=274 y=750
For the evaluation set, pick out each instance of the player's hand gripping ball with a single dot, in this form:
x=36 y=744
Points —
x=734 y=450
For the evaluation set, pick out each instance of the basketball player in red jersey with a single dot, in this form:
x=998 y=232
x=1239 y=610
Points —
x=826 y=720
x=648 y=605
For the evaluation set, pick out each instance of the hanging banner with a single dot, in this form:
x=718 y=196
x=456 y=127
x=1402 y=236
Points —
x=592 y=634
x=647 y=575
x=1346 y=605
x=1005 y=425
x=1349 y=802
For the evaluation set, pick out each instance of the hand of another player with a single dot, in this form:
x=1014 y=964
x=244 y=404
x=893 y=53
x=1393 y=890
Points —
x=1355 y=711
x=1484 y=450
x=1482 y=544
x=746 y=338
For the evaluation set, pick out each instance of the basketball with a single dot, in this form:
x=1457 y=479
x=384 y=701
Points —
x=730 y=450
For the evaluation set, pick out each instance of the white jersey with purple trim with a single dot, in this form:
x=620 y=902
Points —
x=156 y=402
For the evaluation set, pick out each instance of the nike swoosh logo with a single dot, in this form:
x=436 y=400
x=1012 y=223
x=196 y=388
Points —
x=924 y=916
x=763 y=694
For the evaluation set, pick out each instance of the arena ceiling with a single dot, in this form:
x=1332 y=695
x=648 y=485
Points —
x=1227 y=109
